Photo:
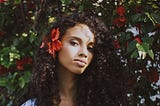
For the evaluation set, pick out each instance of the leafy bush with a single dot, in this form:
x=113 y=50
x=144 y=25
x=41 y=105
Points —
x=135 y=25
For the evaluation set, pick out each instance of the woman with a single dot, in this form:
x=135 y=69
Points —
x=76 y=65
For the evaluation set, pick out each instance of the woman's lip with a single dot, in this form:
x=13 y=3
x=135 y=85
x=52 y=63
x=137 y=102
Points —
x=80 y=63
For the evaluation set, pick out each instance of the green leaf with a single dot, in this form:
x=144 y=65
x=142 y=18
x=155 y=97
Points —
x=81 y=7
x=27 y=76
x=144 y=47
x=65 y=2
x=32 y=37
x=131 y=46
x=10 y=86
x=10 y=103
x=155 y=6
x=148 y=40
x=134 y=54
x=137 y=18
x=151 y=54
x=16 y=42
x=156 y=17
x=4 y=50
x=14 y=75
x=10 y=82
x=21 y=82
x=17 y=1
x=147 y=27
x=2 y=18
x=5 y=61
x=3 y=81
x=8 y=55
x=151 y=18
x=24 y=79
x=123 y=38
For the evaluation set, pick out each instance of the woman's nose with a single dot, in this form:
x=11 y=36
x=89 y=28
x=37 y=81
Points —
x=83 y=52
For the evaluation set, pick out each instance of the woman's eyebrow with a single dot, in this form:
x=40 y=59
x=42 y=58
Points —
x=79 y=39
x=74 y=37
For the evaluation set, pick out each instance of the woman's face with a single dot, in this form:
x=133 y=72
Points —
x=77 y=51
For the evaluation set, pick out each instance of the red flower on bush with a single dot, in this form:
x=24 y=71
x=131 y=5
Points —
x=20 y=63
x=52 y=43
x=153 y=76
x=157 y=25
x=2 y=33
x=2 y=1
x=121 y=11
x=120 y=22
x=31 y=4
x=116 y=44
x=144 y=71
x=131 y=81
x=138 y=8
x=138 y=39
x=4 y=70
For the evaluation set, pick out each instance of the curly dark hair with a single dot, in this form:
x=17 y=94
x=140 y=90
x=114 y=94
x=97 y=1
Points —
x=102 y=84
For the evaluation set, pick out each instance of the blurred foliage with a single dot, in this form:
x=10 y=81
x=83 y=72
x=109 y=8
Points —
x=135 y=25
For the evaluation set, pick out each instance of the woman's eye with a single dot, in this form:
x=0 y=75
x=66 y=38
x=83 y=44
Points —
x=90 y=49
x=74 y=43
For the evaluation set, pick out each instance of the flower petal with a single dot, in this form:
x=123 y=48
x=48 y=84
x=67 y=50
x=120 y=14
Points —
x=121 y=10
x=55 y=34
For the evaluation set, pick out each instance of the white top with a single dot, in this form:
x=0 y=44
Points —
x=30 y=102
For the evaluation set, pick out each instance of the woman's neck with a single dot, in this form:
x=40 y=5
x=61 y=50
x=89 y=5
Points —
x=67 y=87
x=66 y=82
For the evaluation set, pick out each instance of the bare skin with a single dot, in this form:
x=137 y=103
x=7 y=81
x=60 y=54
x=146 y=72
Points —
x=67 y=88
x=75 y=55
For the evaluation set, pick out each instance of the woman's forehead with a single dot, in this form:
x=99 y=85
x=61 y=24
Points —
x=80 y=30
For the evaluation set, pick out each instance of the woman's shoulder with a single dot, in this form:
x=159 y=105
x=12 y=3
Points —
x=30 y=102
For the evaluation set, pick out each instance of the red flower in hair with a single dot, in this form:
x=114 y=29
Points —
x=121 y=10
x=52 y=43
x=54 y=34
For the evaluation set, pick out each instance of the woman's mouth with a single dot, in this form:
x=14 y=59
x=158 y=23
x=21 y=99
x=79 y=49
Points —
x=80 y=63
